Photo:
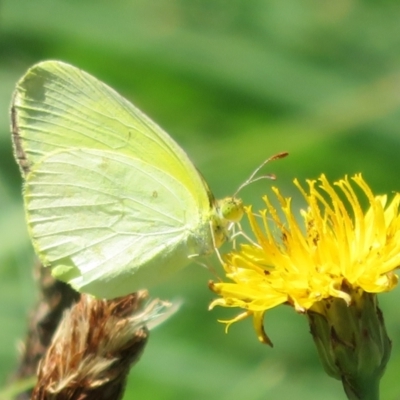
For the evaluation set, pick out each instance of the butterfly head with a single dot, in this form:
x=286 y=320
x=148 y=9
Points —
x=227 y=212
x=231 y=209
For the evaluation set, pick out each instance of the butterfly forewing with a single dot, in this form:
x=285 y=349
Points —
x=57 y=106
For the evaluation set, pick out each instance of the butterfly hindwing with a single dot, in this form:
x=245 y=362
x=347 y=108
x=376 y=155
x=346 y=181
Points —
x=104 y=218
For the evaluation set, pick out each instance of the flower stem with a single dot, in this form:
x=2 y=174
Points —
x=361 y=390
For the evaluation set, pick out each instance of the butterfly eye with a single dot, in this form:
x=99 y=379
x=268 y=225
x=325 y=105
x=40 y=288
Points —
x=231 y=209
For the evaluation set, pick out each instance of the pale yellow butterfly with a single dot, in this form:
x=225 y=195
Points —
x=112 y=203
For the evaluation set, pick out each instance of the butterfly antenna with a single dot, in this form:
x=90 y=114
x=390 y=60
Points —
x=252 y=179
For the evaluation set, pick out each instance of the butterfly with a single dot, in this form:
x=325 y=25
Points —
x=113 y=204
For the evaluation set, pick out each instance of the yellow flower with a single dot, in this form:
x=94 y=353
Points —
x=335 y=253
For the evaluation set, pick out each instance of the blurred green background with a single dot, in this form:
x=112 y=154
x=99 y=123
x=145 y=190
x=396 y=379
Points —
x=233 y=81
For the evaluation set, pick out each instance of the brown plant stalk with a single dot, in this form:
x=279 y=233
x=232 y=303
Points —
x=81 y=347
x=54 y=298
x=94 y=348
